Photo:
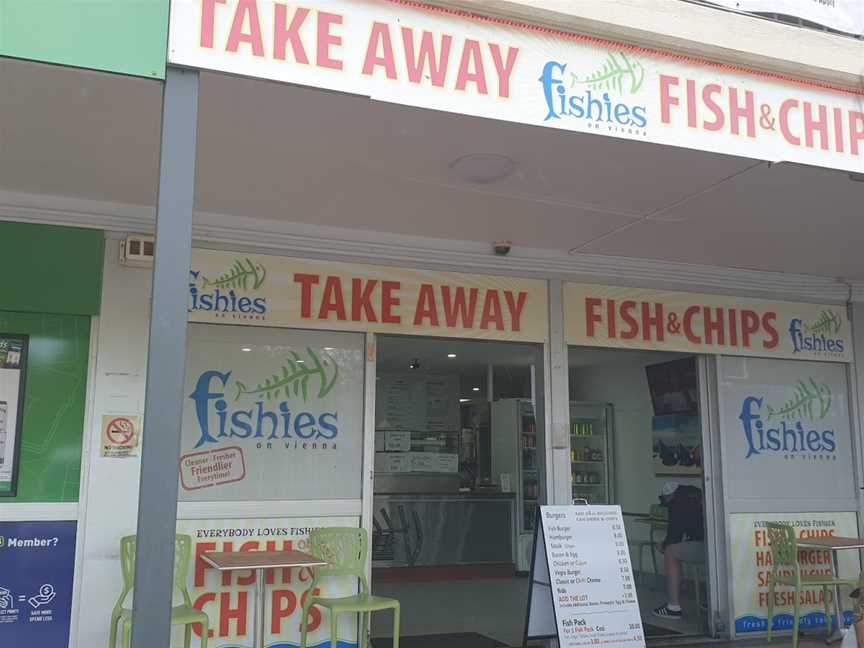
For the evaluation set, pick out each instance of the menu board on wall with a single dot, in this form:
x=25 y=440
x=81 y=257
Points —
x=581 y=585
x=271 y=414
x=786 y=429
x=37 y=565
x=13 y=370
x=751 y=566
x=229 y=598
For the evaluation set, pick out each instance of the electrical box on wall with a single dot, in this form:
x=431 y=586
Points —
x=137 y=251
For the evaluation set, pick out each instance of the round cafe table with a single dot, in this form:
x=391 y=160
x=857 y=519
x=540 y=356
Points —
x=834 y=545
x=259 y=562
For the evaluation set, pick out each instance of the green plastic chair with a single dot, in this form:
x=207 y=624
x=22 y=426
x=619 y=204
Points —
x=185 y=614
x=784 y=554
x=345 y=551
x=659 y=514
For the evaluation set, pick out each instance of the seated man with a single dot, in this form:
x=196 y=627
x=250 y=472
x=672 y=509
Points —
x=684 y=542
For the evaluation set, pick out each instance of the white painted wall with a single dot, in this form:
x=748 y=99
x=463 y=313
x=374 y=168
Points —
x=110 y=508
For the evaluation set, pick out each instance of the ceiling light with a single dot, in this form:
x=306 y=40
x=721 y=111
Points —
x=464 y=400
x=482 y=168
x=246 y=349
x=301 y=362
x=451 y=355
x=475 y=389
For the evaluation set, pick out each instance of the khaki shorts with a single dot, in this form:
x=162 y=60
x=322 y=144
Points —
x=691 y=551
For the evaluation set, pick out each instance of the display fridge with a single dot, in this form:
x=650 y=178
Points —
x=518 y=453
x=592 y=452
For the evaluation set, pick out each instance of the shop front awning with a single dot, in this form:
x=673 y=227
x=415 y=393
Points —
x=321 y=173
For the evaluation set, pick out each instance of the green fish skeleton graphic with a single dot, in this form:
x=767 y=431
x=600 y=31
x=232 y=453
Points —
x=239 y=276
x=811 y=401
x=295 y=378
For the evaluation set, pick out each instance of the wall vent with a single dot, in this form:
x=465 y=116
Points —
x=137 y=251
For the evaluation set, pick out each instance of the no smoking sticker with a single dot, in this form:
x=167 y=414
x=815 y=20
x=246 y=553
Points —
x=120 y=435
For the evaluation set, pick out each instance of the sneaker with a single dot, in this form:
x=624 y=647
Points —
x=665 y=613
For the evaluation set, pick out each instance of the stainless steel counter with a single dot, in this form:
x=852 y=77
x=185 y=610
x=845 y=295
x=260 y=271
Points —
x=434 y=529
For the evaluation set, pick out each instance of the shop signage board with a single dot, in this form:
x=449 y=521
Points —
x=635 y=318
x=258 y=290
x=13 y=372
x=785 y=430
x=751 y=565
x=271 y=414
x=404 y=53
x=581 y=583
x=229 y=598
x=37 y=564
x=841 y=15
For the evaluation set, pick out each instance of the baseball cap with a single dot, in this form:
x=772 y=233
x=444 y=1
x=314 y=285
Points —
x=669 y=488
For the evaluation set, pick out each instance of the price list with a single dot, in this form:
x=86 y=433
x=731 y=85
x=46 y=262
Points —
x=591 y=577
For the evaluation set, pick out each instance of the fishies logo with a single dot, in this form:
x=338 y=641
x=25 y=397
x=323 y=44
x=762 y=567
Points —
x=796 y=431
x=598 y=96
x=264 y=412
x=819 y=337
x=227 y=295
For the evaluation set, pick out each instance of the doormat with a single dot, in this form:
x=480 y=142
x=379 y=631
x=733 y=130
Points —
x=656 y=631
x=455 y=640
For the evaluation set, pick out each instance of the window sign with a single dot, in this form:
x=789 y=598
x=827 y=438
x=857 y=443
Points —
x=752 y=565
x=228 y=598
x=13 y=370
x=271 y=414
x=37 y=564
x=786 y=430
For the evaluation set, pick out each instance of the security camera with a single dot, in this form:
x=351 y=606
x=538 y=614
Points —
x=502 y=248
x=414 y=364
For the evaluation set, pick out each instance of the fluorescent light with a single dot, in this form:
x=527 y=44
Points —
x=246 y=349
x=301 y=362
x=475 y=389
x=451 y=355
x=464 y=400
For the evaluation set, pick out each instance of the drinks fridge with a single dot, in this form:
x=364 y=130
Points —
x=591 y=452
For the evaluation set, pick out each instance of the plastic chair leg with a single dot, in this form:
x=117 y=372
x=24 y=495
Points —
x=334 y=640
x=363 y=639
x=127 y=633
x=827 y=610
x=396 y=626
x=303 y=619
x=205 y=632
x=771 y=588
x=187 y=635
x=797 y=618
x=112 y=637
x=654 y=558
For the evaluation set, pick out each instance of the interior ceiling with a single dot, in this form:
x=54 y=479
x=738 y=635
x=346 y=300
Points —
x=596 y=357
x=280 y=153
x=395 y=353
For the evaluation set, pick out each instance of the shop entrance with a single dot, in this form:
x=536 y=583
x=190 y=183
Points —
x=636 y=440
x=460 y=469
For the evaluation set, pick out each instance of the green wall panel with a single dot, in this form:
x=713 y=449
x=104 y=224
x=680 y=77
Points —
x=54 y=397
x=125 y=36
x=52 y=269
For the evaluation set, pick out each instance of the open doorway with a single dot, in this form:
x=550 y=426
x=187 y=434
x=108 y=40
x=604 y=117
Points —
x=460 y=469
x=636 y=441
